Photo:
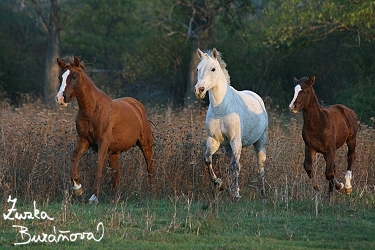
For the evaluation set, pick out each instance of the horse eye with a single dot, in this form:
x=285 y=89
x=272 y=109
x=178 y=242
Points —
x=75 y=77
x=213 y=69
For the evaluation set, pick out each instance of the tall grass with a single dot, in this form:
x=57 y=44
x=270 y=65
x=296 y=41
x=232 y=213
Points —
x=36 y=143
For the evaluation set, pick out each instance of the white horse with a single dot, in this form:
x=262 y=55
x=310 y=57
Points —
x=234 y=119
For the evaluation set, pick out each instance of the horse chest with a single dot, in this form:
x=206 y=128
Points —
x=225 y=128
x=91 y=130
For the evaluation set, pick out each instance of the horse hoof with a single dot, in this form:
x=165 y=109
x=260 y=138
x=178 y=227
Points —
x=93 y=199
x=348 y=190
x=236 y=198
x=78 y=192
x=219 y=184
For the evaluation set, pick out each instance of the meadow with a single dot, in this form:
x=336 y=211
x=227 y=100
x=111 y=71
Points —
x=181 y=209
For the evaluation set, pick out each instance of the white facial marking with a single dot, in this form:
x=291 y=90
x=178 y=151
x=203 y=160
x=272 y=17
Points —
x=297 y=89
x=60 y=96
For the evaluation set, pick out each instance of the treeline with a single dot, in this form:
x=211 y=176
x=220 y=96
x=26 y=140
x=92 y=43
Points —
x=147 y=49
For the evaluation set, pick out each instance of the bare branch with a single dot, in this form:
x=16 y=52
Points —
x=39 y=14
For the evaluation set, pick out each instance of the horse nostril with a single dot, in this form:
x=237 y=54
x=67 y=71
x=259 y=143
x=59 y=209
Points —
x=201 y=89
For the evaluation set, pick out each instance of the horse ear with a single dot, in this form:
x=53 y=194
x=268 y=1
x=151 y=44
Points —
x=312 y=80
x=76 y=62
x=295 y=81
x=60 y=63
x=200 y=53
x=214 y=53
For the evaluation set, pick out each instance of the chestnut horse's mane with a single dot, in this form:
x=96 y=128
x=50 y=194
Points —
x=70 y=60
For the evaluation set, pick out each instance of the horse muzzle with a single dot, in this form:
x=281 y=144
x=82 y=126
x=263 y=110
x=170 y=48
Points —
x=60 y=100
x=293 y=109
x=200 y=92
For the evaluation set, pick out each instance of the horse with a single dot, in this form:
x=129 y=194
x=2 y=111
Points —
x=234 y=119
x=107 y=126
x=325 y=130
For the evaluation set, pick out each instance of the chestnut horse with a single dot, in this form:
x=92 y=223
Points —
x=106 y=125
x=325 y=130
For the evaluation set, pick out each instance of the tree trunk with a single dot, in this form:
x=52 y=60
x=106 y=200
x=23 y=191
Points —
x=190 y=97
x=52 y=29
x=51 y=84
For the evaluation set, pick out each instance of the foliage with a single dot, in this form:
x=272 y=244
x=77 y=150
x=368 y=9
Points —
x=21 y=54
x=144 y=48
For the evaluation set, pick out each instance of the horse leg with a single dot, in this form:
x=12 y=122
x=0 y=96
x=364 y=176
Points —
x=330 y=172
x=212 y=146
x=82 y=146
x=260 y=151
x=102 y=152
x=351 y=142
x=146 y=148
x=113 y=162
x=307 y=164
x=235 y=167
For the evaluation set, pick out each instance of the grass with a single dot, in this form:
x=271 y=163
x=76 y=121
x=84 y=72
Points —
x=180 y=209
x=178 y=223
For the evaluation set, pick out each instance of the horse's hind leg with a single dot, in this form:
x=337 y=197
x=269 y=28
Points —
x=113 y=162
x=307 y=164
x=351 y=142
x=146 y=147
x=236 y=146
x=212 y=146
x=260 y=150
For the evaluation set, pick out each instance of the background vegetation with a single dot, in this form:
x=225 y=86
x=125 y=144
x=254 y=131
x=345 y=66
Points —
x=147 y=49
x=182 y=209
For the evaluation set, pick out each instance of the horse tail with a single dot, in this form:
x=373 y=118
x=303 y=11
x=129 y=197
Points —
x=154 y=126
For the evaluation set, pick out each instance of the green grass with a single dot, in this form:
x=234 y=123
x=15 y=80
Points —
x=181 y=222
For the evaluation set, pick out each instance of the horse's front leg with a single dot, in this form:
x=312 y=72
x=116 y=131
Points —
x=235 y=167
x=82 y=146
x=330 y=172
x=212 y=146
x=102 y=152
x=307 y=164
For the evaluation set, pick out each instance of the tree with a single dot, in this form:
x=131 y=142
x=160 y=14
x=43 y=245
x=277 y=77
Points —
x=49 y=17
x=194 y=19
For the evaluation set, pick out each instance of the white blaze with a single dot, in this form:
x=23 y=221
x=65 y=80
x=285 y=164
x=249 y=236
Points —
x=297 y=89
x=60 y=96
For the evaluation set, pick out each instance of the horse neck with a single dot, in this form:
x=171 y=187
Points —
x=217 y=93
x=312 y=112
x=88 y=97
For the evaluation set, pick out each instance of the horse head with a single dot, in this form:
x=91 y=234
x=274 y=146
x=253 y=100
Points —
x=303 y=91
x=69 y=77
x=211 y=71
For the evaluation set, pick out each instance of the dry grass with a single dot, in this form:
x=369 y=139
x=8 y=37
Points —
x=36 y=143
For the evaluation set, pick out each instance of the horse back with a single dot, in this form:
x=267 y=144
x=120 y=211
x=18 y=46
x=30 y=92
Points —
x=134 y=110
x=130 y=124
x=345 y=121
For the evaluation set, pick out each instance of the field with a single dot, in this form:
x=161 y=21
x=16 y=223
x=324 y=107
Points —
x=182 y=209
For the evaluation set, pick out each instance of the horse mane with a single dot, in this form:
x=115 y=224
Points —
x=222 y=64
x=70 y=60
